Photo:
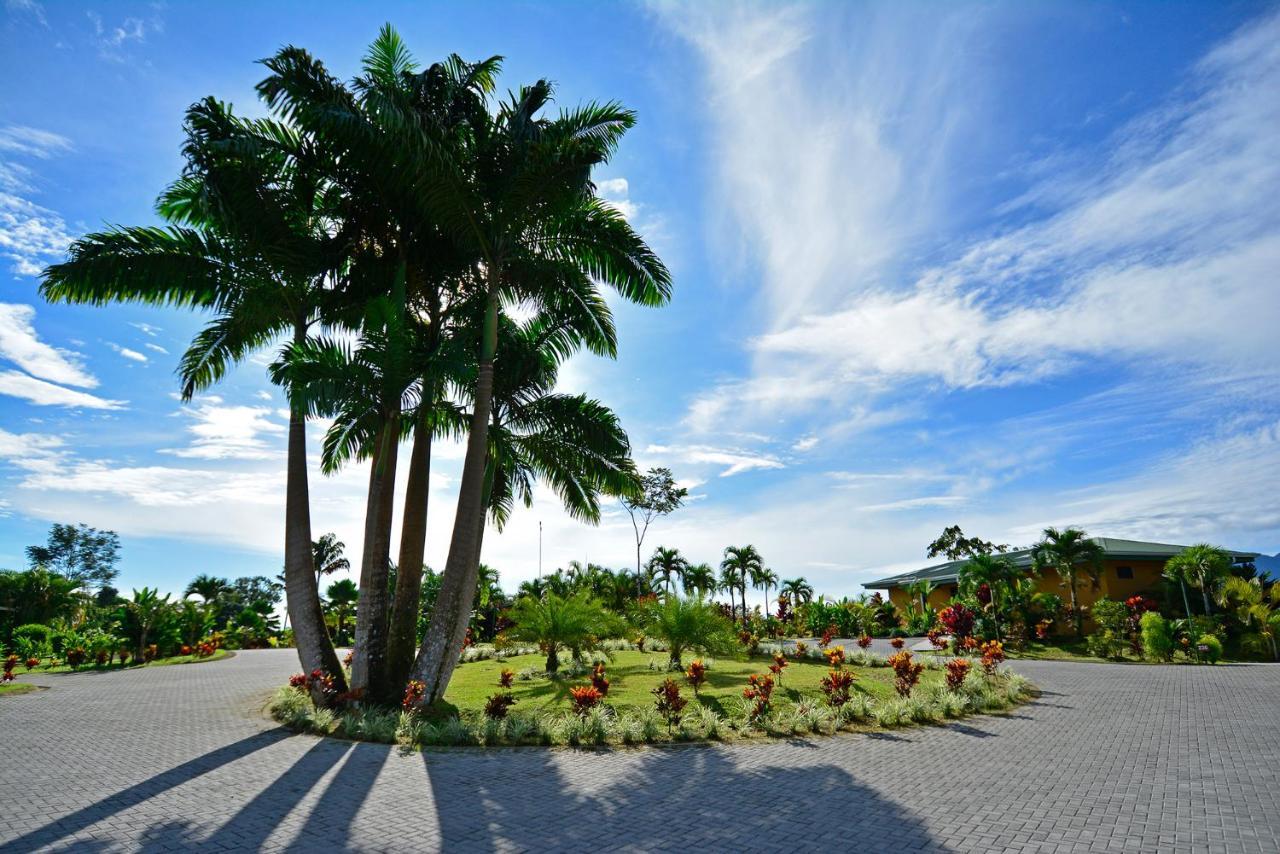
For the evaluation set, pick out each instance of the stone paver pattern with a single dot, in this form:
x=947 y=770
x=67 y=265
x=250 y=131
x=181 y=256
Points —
x=1110 y=758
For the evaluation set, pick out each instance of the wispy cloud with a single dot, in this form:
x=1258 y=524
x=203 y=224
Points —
x=41 y=393
x=731 y=460
x=20 y=344
x=132 y=355
x=229 y=432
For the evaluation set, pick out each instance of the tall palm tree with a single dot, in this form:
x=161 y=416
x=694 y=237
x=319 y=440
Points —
x=255 y=240
x=669 y=565
x=739 y=565
x=997 y=572
x=798 y=590
x=541 y=230
x=207 y=587
x=1068 y=552
x=699 y=579
x=766 y=578
x=327 y=553
x=1202 y=566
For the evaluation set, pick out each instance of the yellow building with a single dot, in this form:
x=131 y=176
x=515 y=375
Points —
x=1129 y=567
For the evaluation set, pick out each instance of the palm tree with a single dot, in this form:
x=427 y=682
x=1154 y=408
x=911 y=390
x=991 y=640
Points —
x=342 y=595
x=1202 y=566
x=998 y=573
x=766 y=578
x=254 y=240
x=534 y=216
x=207 y=587
x=798 y=590
x=576 y=622
x=1067 y=552
x=740 y=564
x=690 y=624
x=669 y=565
x=699 y=579
x=148 y=606
x=327 y=553
x=920 y=589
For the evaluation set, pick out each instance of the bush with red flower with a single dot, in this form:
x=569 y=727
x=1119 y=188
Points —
x=584 y=698
x=992 y=656
x=906 y=672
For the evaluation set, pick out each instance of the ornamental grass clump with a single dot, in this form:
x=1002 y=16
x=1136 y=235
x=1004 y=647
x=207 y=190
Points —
x=957 y=670
x=668 y=703
x=696 y=675
x=906 y=673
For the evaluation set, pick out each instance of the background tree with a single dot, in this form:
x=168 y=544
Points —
x=798 y=590
x=764 y=578
x=207 y=587
x=699 y=579
x=1068 y=552
x=669 y=565
x=953 y=545
x=658 y=496
x=1202 y=566
x=85 y=555
x=327 y=553
x=341 y=597
x=740 y=564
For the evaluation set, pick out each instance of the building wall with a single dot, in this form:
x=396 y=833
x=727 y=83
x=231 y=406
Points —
x=1145 y=579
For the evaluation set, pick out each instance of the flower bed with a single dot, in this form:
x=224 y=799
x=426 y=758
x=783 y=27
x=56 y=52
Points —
x=640 y=705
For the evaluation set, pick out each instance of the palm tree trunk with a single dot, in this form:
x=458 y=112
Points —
x=448 y=627
x=402 y=637
x=1075 y=609
x=369 y=663
x=1204 y=592
x=302 y=588
x=1186 y=603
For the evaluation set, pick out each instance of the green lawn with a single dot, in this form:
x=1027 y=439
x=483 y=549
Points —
x=632 y=680
x=94 y=668
x=16 y=688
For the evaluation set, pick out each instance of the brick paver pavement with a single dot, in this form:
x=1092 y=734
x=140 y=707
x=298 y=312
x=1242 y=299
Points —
x=1111 y=758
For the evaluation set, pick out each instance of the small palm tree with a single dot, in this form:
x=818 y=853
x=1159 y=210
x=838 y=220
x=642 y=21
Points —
x=1202 y=566
x=764 y=578
x=1067 y=552
x=576 y=622
x=207 y=587
x=342 y=596
x=798 y=590
x=328 y=556
x=998 y=573
x=699 y=579
x=149 y=607
x=739 y=564
x=690 y=624
x=667 y=564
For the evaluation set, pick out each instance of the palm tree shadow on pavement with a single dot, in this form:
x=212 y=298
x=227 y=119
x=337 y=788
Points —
x=701 y=799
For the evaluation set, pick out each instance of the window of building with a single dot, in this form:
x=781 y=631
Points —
x=1124 y=572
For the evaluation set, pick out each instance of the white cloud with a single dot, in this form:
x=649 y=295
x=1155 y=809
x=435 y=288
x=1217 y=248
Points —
x=265 y=395
x=146 y=328
x=41 y=393
x=733 y=461
x=33 y=142
x=20 y=344
x=230 y=432
x=28 y=7
x=132 y=355
x=156 y=347
x=30 y=235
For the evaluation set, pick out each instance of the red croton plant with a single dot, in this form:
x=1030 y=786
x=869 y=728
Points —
x=957 y=670
x=837 y=685
x=669 y=703
x=864 y=642
x=906 y=672
x=696 y=675
x=760 y=690
x=505 y=678
x=585 y=698
x=835 y=657
x=496 y=707
x=599 y=681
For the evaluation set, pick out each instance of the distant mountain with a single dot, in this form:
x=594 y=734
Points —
x=1268 y=565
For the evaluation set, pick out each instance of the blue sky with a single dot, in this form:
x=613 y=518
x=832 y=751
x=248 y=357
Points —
x=1002 y=265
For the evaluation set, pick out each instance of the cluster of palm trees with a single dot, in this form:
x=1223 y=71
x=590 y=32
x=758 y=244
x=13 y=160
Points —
x=742 y=566
x=425 y=256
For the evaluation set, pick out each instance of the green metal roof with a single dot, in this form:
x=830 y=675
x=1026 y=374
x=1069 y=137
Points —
x=943 y=573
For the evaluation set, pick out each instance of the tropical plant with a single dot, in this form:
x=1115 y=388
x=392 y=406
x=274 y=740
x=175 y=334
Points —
x=148 y=607
x=798 y=590
x=699 y=580
x=207 y=587
x=996 y=573
x=667 y=564
x=576 y=622
x=342 y=596
x=764 y=578
x=1068 y=552
x=1202 y=566
x=327 y=555
x=740 y=564
x=690 y=624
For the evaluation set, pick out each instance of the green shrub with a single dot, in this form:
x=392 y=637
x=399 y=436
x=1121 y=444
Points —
x=39 y=636
x=1211 y=648
x=1157 y=636
x=1107 y=643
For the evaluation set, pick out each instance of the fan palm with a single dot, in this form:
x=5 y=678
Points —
x=1067 y=552
x=669 y=565
x=254 y=240
x=739 y=565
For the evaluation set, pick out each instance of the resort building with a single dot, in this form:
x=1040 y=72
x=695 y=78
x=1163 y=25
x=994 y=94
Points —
x=1129 y=567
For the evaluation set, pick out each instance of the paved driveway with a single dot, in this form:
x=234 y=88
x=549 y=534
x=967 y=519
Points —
x=1111 y=758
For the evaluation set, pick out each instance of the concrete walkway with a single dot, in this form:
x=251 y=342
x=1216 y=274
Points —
x=1111 y=758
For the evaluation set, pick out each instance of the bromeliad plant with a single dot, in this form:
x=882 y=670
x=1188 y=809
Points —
x=906 y=672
